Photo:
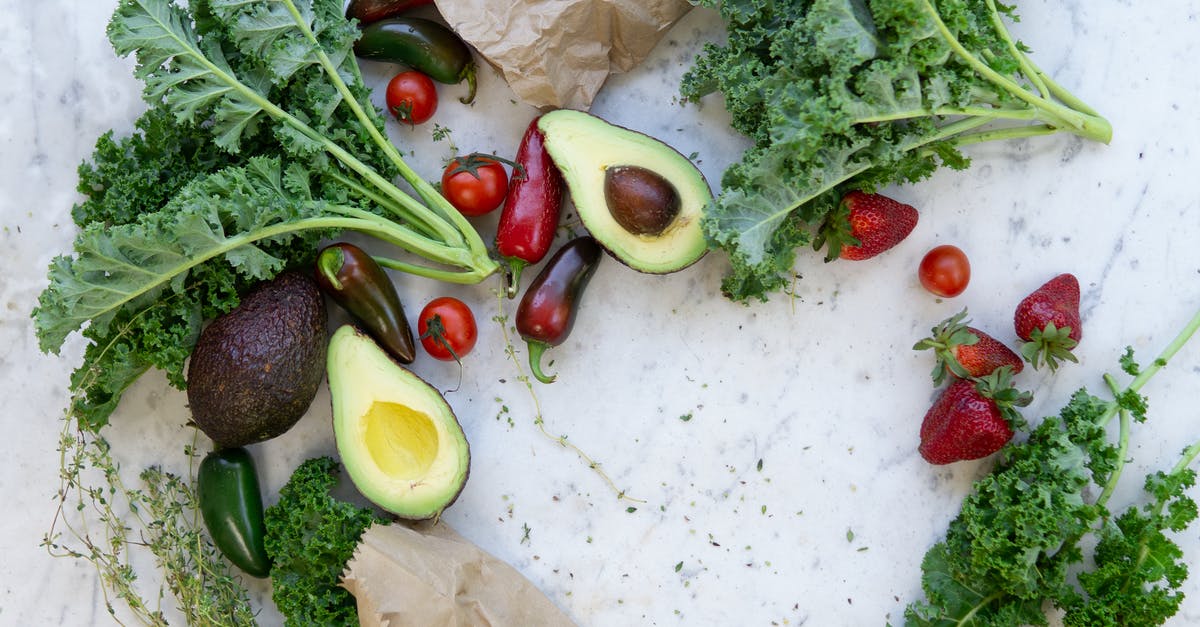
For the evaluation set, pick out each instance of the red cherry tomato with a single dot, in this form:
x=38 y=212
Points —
x=475 y=184
x=447 y=328
x=945 y=271
x=412 y=97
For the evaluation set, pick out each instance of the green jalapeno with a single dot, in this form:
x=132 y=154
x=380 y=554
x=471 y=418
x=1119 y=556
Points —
x=231 y=505
x=423 y=45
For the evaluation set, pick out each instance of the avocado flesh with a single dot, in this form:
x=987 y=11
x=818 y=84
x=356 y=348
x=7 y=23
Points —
x=584 y=147
x=398 y=439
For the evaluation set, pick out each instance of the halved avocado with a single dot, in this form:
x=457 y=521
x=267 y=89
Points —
x=398 y=438
x=640 y=198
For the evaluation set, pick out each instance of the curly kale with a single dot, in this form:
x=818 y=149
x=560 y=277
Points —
x=310 y=537
x=1009 y=550
x=229 y=85
x=858 y=94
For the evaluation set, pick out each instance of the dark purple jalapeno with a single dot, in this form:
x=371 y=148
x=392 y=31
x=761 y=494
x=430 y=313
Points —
x=359 y=285
x=547 y=311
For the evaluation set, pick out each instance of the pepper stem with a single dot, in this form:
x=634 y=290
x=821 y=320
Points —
x=513 y=276
x=469 y=74
x=329 y=263
x=535 y=361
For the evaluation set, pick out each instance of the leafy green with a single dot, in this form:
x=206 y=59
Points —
x=1020 y=531
x=310 y=537
x=259 y=141
x=858 y=94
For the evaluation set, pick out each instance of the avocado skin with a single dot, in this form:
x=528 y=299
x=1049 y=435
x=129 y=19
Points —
x=255 y=370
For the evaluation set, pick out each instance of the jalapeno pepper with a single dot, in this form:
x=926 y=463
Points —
x=231 y=505
x=356 y=282
x=368 y=11
x=547 y=311
x=531 y=209
x=423 y=45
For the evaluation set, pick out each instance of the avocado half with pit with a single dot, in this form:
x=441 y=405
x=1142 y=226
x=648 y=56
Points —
x=398 y=438
x=640 y=198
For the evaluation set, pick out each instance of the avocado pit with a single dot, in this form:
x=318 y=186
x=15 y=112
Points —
x=642 y=201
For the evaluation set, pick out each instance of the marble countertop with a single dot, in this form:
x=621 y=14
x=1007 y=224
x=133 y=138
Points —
x=773 y=445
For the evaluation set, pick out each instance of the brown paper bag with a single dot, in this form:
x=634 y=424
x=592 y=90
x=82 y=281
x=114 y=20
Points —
x=557 y=53
x=433 y=578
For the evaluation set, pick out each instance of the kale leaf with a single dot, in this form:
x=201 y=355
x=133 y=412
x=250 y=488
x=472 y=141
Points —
x=858 y=94
x=1019 y=533
x=310 y=537
x=259 y=141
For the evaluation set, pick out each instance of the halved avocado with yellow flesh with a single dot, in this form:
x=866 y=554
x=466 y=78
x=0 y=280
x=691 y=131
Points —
x=640 y=198
x=398 y=438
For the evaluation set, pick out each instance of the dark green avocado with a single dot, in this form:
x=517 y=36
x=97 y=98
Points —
x=255 y=370
x=640 y=198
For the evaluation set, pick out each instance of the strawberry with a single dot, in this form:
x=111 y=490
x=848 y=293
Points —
x=966 y=352
x=1048 y=321
x=865 y=225
x=972 y=419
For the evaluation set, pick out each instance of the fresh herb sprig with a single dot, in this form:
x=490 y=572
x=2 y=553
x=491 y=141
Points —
x=260 y=140
x=858 y=94
x=104 y=521
x=1008 y=551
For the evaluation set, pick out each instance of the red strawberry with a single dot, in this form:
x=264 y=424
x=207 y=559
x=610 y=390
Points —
x=1048 y=321
x=866 y=225
x=971 y=419
x=966 y=352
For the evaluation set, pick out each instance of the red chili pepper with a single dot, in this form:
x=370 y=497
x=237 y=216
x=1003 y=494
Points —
x=531 y=209
x=367 y=11
x=547 y=311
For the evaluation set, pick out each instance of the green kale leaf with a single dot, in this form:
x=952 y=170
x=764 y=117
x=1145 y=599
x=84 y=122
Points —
x=857 y=94
x=310 y=537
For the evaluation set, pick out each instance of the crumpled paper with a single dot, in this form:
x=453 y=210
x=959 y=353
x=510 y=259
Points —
x=432 y=577
x=558 y=53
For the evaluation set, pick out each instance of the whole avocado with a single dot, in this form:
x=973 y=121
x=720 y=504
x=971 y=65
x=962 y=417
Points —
x=255 y=370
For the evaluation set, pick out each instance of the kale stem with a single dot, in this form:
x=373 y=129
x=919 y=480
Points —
x=423 y=188
x=1000 y=113
x=1149 y=371
x=388 y=231
x=437 y=228
x=1080 y=123
x=1027 y=68
x=1122 y=447
x=468 y=277
x=1005 y=133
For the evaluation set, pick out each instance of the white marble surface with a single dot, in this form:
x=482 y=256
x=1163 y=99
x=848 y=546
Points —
x=821 y=389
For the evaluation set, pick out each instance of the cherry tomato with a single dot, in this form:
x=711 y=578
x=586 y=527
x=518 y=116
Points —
x=447 y=328
x=475 y=184
x=412 y=97
x=945 y=271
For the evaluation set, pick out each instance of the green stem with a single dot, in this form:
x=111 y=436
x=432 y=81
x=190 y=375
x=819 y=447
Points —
x=1059 y=115
x=480 y=261
x=999 y=113
x=410 y=241
x=377 y=226
x=1027 y=68
x=469 y=277
x=436 y=228
x=422 y=187
x=1149 y=371
x=1004 y=133
x=1122 y=447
